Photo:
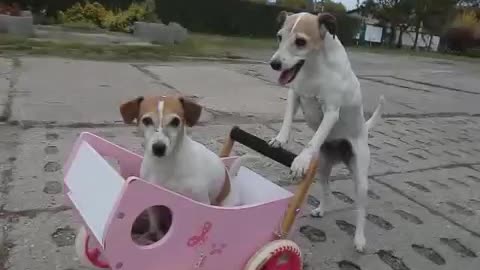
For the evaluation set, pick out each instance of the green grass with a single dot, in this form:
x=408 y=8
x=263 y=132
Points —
x=197 y=46
x=233 y=42
x=81 y=27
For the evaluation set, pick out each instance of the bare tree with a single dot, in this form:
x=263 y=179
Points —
x=310 y=5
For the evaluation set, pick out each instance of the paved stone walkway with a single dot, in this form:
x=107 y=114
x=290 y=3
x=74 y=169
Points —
x=424 y=206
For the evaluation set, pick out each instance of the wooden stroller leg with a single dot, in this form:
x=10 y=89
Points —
x=227 y=147
x=298 y=198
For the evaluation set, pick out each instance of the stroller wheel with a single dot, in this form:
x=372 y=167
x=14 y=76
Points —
x=89 y=253
x=277 y=255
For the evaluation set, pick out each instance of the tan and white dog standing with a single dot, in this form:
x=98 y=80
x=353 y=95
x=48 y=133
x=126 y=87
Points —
x=172 y=159
x=324 y=85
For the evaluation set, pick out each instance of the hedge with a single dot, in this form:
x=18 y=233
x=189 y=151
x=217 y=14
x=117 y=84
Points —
x=234 y=17
x=228 y=17
x=348 y=27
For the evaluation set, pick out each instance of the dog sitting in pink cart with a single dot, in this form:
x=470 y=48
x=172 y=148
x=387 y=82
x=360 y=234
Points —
x=200 y=206
x=173 y=160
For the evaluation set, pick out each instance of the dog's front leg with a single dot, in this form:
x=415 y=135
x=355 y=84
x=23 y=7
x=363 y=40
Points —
x=153 y=225
x=301 y=162
x=293 y=102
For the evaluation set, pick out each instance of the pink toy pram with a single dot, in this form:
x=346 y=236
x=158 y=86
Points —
x=200 y=236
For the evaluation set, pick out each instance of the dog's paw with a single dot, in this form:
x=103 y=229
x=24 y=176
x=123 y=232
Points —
x=301 y=163
x=359 y=242
x=317 y=212
x=144 y=239
x=278 y=142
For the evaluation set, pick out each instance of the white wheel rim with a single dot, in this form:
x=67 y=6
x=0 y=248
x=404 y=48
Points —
x=267 y=252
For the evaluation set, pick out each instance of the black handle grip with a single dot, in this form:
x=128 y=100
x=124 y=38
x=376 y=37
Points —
x=280 y=155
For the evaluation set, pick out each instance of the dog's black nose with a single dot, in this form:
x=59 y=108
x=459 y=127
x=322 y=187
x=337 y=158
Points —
x=158 y=149
x=276 y=65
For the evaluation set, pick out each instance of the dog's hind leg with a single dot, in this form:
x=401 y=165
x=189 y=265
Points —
x=324 y=170
x=358 y=166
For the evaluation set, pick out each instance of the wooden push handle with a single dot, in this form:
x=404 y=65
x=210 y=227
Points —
x=298 y=198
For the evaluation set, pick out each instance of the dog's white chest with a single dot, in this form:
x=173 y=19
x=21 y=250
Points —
x=312 y=111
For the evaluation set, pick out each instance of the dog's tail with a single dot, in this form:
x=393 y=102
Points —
x=377 y=114
x=235 y=167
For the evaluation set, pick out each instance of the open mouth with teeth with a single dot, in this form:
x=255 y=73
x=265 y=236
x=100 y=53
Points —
x=287 y=76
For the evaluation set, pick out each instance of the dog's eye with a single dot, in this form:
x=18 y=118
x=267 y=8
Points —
x=147 y=121
x=279 y=38
x=300 y=42
x=175 y=122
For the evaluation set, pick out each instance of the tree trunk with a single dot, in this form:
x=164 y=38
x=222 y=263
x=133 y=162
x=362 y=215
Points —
x=430 y=43
x=393 y=34
x=310 y=5
x=400 y=36
x=417 y=32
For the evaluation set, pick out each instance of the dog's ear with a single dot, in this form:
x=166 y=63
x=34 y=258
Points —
x=130 y=110
x=282 y=16
x=328 y=22
x=192 y=111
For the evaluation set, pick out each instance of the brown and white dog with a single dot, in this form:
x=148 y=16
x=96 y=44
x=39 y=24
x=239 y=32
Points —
x=172 y=159
x=324 y=86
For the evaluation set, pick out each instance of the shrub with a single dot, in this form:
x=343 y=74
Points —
x=460 y=39
x=94 y=13
x=463 y=33
x=12 y=10
x=119 y=20
x=467 y=18
x=151 y=11
x=73 y=14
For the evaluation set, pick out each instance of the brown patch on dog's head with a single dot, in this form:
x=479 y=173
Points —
x=192 y=111
x=282 y=16
x=312 y=28
x=130 y=110
x=328 y=21
x=304 y=26
x=186 y=110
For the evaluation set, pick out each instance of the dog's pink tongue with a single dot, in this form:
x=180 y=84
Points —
x=285 y=77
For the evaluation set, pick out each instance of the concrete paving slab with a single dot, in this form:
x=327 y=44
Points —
x=396 y=225
x=223 y=90
x=40 y=158
x=399 y=144
x=6 y=66
x=450 y=192
x=403 y=96
x=42 y=241
x=398 y=200
x=86 y=92
x=423 y=199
